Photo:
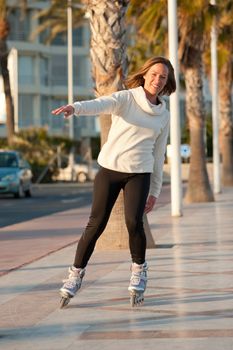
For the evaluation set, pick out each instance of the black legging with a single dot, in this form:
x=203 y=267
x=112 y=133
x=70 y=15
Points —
x=107 y=186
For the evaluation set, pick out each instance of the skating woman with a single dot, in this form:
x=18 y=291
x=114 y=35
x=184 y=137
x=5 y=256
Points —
x=131 y=160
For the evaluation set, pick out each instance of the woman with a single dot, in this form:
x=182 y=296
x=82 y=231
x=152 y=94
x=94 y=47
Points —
x=131 y=159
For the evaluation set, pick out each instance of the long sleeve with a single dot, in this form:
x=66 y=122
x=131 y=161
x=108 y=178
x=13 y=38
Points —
x=106 y=104
x=159 y=156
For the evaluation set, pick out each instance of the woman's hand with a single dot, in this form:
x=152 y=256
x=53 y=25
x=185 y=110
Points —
x=68 y=110
x=151 y=200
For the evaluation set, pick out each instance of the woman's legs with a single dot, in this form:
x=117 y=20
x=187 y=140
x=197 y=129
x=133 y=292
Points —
x=135 y=195
x=107 y=186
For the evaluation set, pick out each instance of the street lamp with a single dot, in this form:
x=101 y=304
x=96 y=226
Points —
x=215 y=107
x=70 y=75
x=176 y=185
x=70 y=80
x=70 y=64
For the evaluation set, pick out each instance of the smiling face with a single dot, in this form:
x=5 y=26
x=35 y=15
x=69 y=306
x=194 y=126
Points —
x=155 y=79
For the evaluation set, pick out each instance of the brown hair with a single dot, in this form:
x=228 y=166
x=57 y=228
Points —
x=137 y=79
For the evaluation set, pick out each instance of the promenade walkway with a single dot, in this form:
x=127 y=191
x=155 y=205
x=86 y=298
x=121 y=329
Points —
x=188 y=302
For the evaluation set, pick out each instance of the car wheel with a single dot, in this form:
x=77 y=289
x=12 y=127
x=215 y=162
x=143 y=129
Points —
x=81 y=177
x=20 y=192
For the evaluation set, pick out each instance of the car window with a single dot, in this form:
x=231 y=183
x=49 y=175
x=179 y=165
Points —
x=8 y=160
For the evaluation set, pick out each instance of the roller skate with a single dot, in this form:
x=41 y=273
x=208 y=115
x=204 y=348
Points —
x=137 y=284
x=71 y=285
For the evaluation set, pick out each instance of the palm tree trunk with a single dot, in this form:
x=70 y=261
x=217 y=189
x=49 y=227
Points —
x=226 y=126
x=109 y=68
x=4 y=30
x=199 y=189
x=8 y=96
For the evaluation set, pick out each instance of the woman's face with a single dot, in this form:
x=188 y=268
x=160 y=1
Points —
x=156 y=78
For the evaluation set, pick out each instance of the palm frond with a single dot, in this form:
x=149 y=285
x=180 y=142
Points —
x=53 y=20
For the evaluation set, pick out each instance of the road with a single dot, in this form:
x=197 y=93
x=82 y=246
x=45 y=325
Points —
x=52 y=198
x=47 y=199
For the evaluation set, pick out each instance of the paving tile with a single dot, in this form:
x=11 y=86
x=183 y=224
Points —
x=188 y=302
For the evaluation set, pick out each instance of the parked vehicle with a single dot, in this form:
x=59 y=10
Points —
x=15 y=174
x=80 y=172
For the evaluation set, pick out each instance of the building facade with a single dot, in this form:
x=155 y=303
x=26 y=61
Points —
x=38 y=73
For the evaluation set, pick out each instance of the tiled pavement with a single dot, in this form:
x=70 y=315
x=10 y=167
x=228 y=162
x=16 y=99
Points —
x=189 y=300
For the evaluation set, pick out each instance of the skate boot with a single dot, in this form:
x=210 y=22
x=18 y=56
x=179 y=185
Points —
x=71 y=285
x=138 y=283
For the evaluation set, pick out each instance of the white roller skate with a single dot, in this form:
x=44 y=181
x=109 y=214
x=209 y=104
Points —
x=71 y=285
x=138 y=283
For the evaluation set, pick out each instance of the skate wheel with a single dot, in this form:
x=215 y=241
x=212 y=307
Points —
x=64 y=302
x=132 y=300
x=136 y=299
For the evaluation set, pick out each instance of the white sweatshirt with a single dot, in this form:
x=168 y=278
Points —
x=138 y=135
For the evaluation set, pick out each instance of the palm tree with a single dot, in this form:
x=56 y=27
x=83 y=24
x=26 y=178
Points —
x=109 y=68
x=225 y=88
x=53 y=19
x=108 y=49
x=4 y=31
x=192 y=20
x=149 y=31
x=191 y=48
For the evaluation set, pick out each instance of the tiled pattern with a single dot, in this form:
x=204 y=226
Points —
x=188 y=304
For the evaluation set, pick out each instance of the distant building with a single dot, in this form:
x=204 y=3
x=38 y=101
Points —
x=39 y=75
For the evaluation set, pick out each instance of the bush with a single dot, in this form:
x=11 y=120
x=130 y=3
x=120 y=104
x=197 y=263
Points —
x=40 y=150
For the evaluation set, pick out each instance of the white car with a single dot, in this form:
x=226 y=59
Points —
x=80 y=173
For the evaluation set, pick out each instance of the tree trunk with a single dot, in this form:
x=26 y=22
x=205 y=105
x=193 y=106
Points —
x=4 y=30
x=226 y=125
x=109 y=68
x=199 y=189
